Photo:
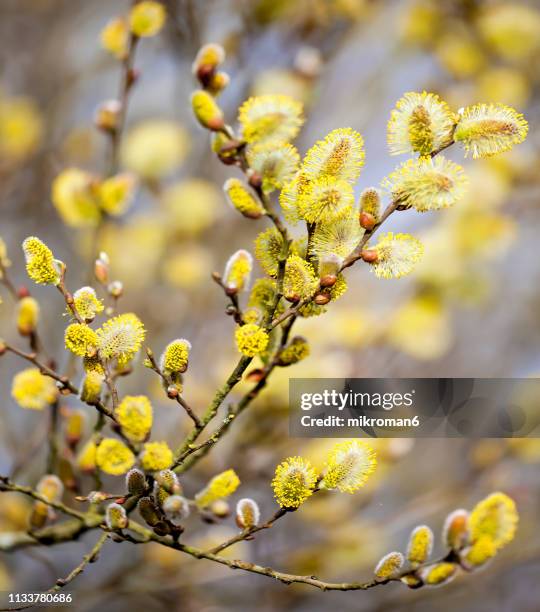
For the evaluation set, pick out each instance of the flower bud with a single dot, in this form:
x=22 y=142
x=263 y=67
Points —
x=135 y=482
x=208 y=58
x=370 y=205
x=370 y=256
x=168 y=480
x=220 y=508
x=27 y=315
x=389 y=566
x=438 y=574
x=321 y=299
x=420 y=545
x=74 y=427
x=174 y=359
x=116 y=517
x=91 y=387
x=206 y=111
x=114 y=38
x=39 y=515
x=247 y=513
x=455 y=533
x=148 y=511
x=147 y=18
x=218 y=82
x=96 y=497
x=176 y=508
x=50 y=487
x=238 y=272
x=241 y=198
x=116 y=289
x=101 y=268
x=107 y=115
x=367 y=221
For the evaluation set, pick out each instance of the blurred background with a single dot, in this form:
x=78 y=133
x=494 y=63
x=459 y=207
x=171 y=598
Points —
x=470 y=309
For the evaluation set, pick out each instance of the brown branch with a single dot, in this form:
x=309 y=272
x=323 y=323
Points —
x=177 y=396
x=247 y=534
x=7 y=485
x=62 y=380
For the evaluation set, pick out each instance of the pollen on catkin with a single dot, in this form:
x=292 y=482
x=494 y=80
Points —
x=147 y=18
x=268 y=250
x=87 y=303
x=294 y=481
x=116 y=193
x=290 y=195
x=340 y=156
x=238 y=271
x=93 y=364
x=479 y=553
x=294 y=352
x=80 y=339
x=248 y=514
x=121 y=337
x=370 y=202
x=275 y=162
x=91 y=387
x=420 y=545
x=156 y=456
x=136 y=482
x=251 y=339
x=348 y=466
x=40 y=263
x=338 y=238
x=27 y=315
x=262 y=293
x=206 y=110
x=74 y=195
x=397 y=255
x=74 y=426
x=175 y=357
x=270 y=117
x=489 y=129
x=116 y=517
x=114 y=457
x=439 y=573
x=221 y=486
x=496 y=517
x=389 y=566
x=115 y=36
x=241 y=198
x=299 y=281
x=135 y=416
x=420 y=123
x=86 y=459
x=427 y=184
x=32 y=390
x=325 y=199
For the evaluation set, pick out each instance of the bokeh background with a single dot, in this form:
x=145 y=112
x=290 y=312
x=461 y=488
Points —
x=471 y=308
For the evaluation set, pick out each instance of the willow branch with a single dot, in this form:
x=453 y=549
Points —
x=177 y=396
x=247 y=534
x=186 y=462
x=62 y=380
x=7 y=485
